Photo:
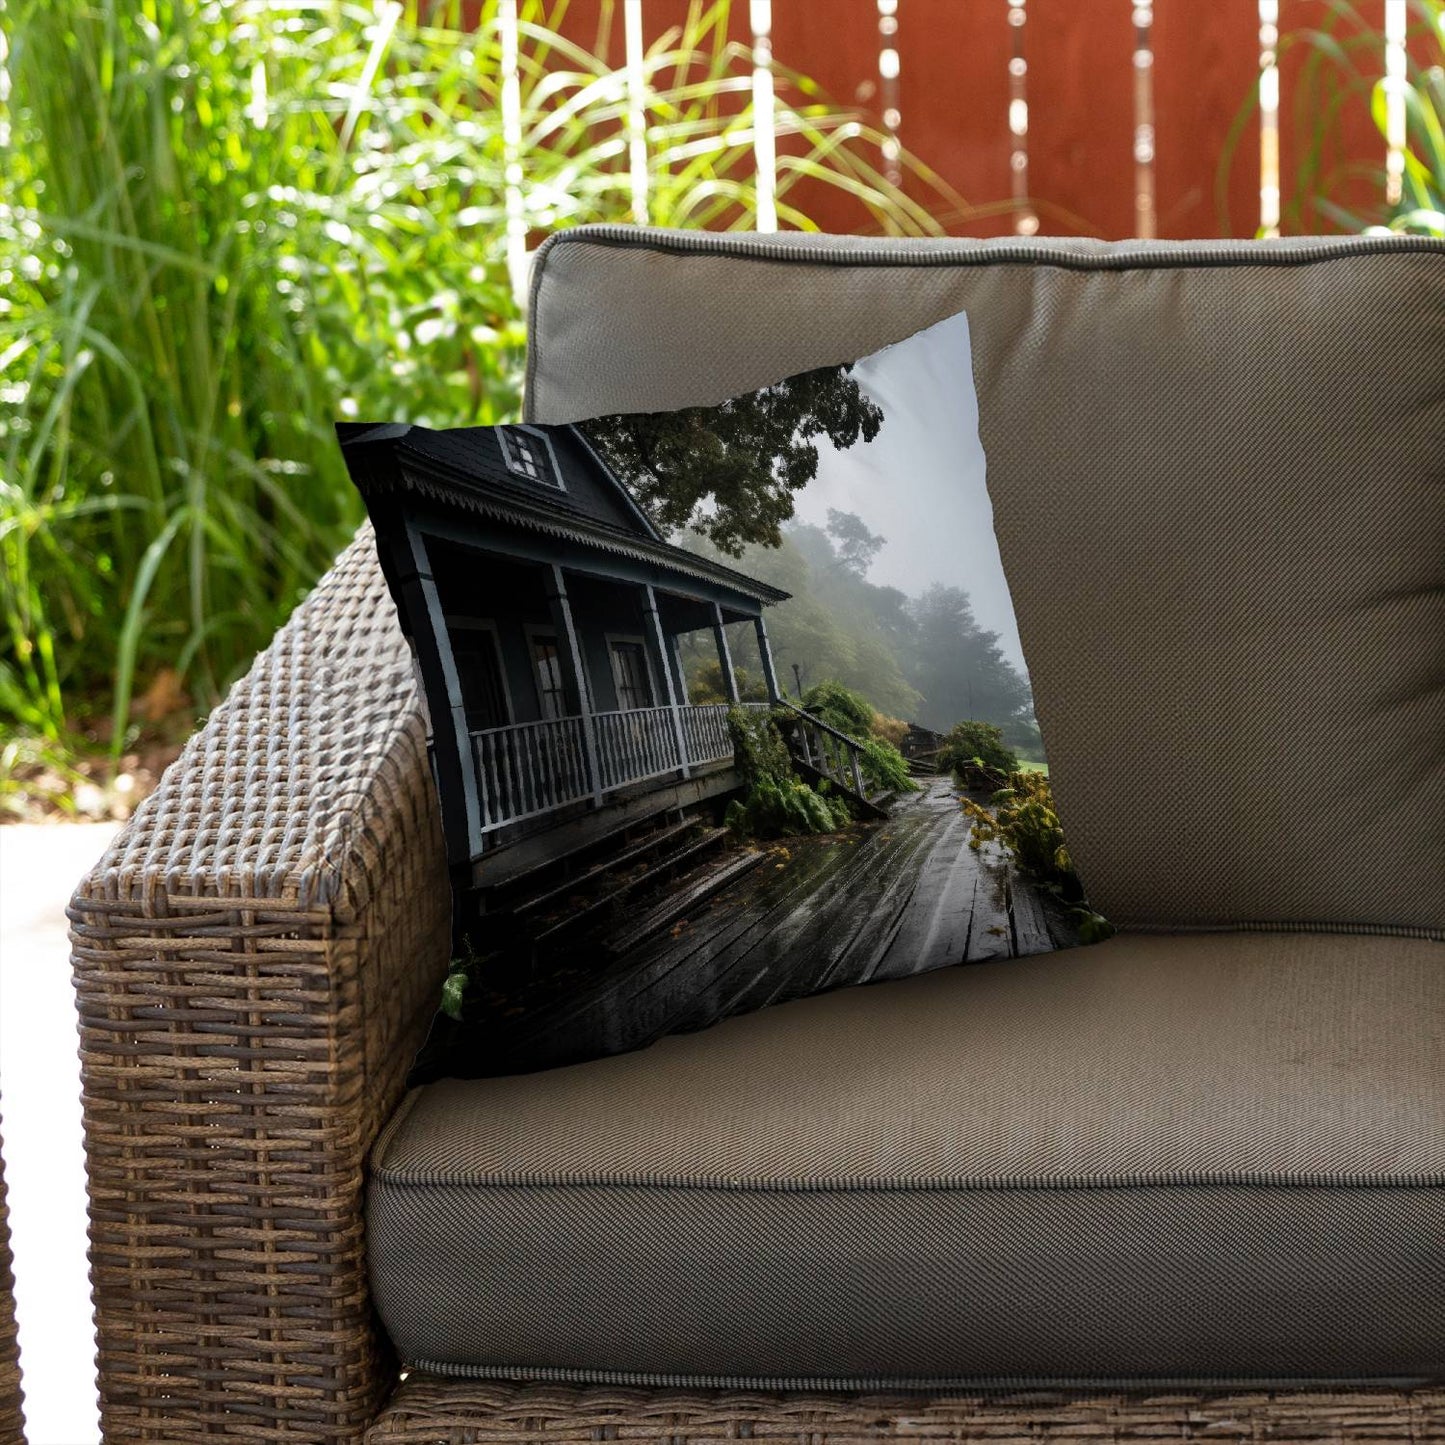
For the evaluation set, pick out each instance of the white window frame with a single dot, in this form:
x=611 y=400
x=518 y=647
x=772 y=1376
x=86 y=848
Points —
x=546 y=629
x=504 y=440
x=608 y=638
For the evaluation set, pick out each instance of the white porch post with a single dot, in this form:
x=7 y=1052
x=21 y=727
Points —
x=659 y=643
x=724 y=655
x=765 y=653
x=571 y=652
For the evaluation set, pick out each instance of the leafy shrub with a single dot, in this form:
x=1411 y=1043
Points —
x=840 y=707
x=978 y=743
x=777 y=802
x=850 y=712
x=777 y=809
x=1022 y=817
x=885 y=767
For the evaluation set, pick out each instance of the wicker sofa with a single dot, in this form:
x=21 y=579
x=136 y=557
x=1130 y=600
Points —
x=257 y=956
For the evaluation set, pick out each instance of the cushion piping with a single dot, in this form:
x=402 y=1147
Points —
x=961 y=1383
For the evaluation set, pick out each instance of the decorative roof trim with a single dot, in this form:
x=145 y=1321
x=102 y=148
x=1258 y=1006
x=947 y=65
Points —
x=423 y=476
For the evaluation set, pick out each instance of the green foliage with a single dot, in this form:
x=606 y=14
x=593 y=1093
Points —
x=1421 y=207
x=850 y=712
x=1091 y=927
x=225 y=225
x=977 y=743
x=772 y=809
x=1335 y=62
x=729 y=472
x=1021 y=816
x=840 y=707
x=758 y=746
x=885 y=767
x=777 y=803
x=454 y=990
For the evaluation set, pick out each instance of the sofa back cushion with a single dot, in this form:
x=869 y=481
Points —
x=1218 y=480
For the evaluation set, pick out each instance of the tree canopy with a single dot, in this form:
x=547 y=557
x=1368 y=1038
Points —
x=922 y=658
x=729 y=472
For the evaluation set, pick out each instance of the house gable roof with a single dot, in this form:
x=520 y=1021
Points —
x=466 y=469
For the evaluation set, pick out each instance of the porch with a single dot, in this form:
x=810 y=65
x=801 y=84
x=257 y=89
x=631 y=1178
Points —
x=529 y=770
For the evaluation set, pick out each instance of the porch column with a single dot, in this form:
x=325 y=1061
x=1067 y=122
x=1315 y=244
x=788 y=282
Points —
x=567 y=645
x=658 y=640
x=765 y=653
x=679 y=672
x=724 y=655
x=410 y=564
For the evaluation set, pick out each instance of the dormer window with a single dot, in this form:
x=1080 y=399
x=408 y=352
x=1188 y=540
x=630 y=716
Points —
x=528 y=454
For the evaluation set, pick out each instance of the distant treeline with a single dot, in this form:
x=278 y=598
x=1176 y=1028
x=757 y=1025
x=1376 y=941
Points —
x=924 y=658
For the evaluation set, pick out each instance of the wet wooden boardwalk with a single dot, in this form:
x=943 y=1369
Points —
x=874 y=903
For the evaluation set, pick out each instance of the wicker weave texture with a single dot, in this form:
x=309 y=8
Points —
x=428 y=1411
x=12 y=1423
x=255 y=958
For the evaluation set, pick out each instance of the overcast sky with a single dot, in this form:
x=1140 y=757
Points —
x=920 y=482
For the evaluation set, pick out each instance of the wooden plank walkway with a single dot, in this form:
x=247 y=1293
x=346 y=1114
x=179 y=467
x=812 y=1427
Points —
x=877 y=902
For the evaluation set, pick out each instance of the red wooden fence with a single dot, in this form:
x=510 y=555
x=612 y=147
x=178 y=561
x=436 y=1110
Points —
x=952 y=94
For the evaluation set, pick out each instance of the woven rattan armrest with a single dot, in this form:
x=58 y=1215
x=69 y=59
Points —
x=255 y=961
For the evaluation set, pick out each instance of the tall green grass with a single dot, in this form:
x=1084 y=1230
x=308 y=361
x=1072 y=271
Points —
x=1338 y=72
x=224 y=225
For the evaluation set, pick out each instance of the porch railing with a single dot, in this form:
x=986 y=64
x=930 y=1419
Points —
x=831 y=753
x=634 y=745
x=528 y=769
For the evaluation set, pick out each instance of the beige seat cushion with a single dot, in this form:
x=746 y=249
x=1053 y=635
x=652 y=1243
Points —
x=1165 y=1157
x=1218 y=477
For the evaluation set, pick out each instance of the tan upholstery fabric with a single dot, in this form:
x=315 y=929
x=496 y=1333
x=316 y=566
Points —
x=1218 y=476
x=1213 y=1156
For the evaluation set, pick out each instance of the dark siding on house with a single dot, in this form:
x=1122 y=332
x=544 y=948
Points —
x=476 y=452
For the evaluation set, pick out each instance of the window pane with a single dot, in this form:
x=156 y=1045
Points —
x=629 y=673
x=550 y=692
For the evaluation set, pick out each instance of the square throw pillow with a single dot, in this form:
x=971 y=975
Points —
x=726 y=706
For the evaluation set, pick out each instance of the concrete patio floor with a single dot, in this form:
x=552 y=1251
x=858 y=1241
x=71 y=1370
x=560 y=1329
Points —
x=40 y=1100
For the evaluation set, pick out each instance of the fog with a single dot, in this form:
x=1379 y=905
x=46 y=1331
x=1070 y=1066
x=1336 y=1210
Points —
x=920 y=483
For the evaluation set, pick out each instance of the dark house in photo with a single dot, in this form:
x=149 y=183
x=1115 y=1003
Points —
x=548 y=609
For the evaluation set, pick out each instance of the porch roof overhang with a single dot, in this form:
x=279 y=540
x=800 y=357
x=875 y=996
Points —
x=558 y=536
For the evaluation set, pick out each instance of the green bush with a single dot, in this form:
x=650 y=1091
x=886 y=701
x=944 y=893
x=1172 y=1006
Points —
x=850 y=712
x=885 y=767
x=777 y=803
x=977 y=743
x=1022 y=817
x=773 y=809
x=840 y=707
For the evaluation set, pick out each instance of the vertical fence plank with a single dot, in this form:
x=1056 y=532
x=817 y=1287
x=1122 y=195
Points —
x=954 y=98
x=835 y=45
x=1206 y=62
x=1081 y=117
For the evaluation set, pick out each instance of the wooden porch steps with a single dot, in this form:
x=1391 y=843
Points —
x=615 y=884
x=648 y=843
x=681 y=900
